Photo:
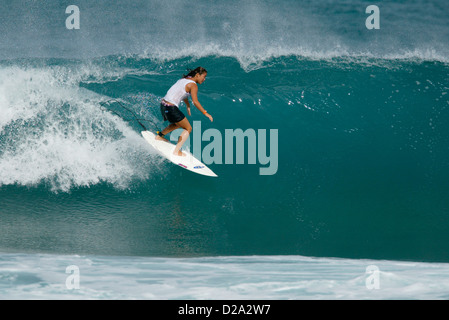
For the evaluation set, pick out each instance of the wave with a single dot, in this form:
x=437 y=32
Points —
x=363 y=158
x=54 y=132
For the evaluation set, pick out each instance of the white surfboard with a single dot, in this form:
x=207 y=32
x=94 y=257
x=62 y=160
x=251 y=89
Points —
x=188 y=162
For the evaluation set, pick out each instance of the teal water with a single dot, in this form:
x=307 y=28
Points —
x=362 y=160
x=362 y=152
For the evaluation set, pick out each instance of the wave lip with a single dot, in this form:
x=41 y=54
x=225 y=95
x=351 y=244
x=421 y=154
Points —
x=250 y=61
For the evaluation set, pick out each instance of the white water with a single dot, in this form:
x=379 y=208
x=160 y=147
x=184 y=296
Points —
x=54 y=132
x=40 y=276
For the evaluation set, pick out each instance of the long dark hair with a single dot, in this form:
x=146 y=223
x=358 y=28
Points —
x=193 y=73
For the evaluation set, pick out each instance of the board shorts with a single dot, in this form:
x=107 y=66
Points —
x=171 y=113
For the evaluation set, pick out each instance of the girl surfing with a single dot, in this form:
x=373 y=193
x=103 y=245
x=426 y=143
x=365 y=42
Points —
x=180 y=91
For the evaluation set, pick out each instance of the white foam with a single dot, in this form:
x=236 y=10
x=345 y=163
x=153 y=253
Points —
x=40 y=276
x=55 y=132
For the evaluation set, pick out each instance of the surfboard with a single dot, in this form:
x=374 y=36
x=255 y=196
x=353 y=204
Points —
x=189 y=162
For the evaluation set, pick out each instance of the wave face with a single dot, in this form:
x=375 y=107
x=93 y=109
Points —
x=362 y=158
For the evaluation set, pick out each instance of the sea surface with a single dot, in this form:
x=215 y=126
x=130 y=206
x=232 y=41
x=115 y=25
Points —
x=359 y=164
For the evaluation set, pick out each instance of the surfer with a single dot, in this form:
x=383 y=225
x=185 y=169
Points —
x=180 y=91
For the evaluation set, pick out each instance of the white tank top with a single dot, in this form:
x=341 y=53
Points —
x=177 y=92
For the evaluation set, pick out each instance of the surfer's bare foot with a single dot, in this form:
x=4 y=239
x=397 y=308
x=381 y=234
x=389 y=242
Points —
x=160 y=138
x=179 y=154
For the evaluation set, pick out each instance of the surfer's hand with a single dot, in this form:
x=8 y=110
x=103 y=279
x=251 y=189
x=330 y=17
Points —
x=210 y=117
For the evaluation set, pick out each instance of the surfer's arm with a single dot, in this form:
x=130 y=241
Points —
x=186 y=101
x=196 y=103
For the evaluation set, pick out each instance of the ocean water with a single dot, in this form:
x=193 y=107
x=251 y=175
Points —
x=360 y=169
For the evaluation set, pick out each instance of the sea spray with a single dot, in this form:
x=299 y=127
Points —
x=54 y=132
